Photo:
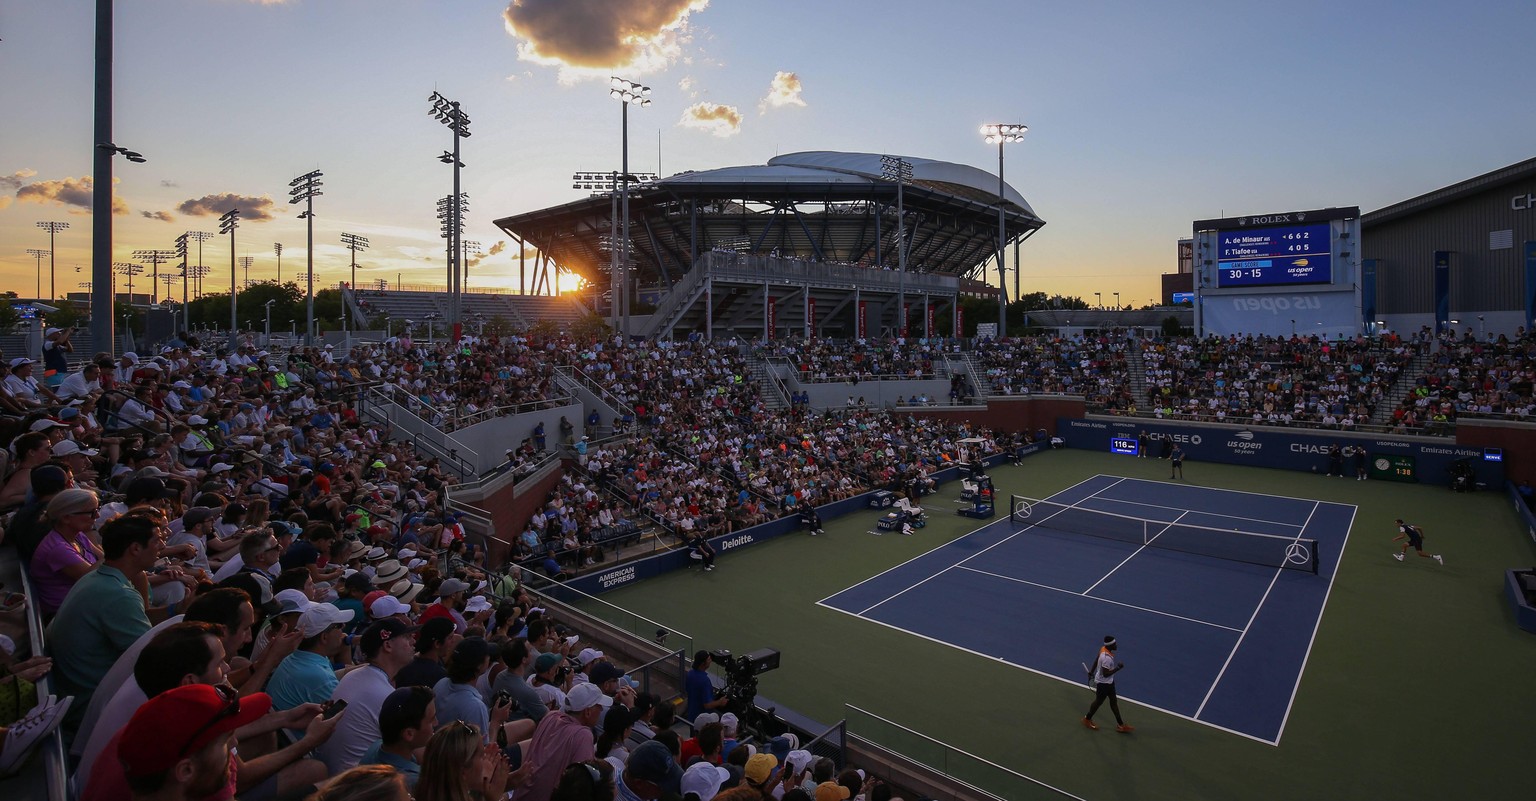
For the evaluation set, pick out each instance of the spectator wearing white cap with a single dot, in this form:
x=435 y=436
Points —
x=306 y=675
x=55 y=345
x=24 y=388
x=702 y=780
x=564 y=737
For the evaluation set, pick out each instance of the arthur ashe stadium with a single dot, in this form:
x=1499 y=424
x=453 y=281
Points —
x=790 y=244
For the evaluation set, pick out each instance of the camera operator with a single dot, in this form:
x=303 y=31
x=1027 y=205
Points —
x=699 y=689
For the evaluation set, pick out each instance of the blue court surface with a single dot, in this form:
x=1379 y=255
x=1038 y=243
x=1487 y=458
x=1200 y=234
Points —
x=1216 y=641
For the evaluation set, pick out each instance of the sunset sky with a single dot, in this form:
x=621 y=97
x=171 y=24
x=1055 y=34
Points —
x=1143 y=116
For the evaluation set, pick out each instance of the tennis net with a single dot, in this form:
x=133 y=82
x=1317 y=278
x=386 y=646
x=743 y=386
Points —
x=1268 y=550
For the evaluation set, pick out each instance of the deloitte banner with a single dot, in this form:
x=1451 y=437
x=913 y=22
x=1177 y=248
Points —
x=1288 y=449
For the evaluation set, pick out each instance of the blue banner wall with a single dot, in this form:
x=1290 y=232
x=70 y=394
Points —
x=1530 y=283
x=1442 y=290
x=1368 y=293
x=1305 y=450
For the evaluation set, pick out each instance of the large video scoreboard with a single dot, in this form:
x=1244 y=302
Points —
x=1291 y=254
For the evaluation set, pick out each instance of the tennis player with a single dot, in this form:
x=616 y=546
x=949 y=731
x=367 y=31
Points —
x=1103 y=680
x=1178 y=461
x=1415 y=537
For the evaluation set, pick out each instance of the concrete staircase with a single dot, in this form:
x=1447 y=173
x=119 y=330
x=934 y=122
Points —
x=1406 y=379
x=965 y=364
x=768 y=386
x=1138 y=371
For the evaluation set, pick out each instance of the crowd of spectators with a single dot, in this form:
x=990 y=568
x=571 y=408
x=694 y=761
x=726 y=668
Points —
x=1263 y=380
x=1469 y=378
x=227 y=554
x=1093 y=366
x=823 y=361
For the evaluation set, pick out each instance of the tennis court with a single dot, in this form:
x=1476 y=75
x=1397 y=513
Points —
x=1210 y=592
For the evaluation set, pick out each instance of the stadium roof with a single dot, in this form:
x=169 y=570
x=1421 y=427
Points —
x=1429 y=200
x=821 y=205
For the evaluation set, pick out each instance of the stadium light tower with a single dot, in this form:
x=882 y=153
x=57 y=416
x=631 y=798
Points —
x=448 y=113
x=200 y=237
x=154 y=258
x=470 y=250
x=278 y=248
x=354 y=243
x=39 y=253
x=1001 y=134
x=628 y=93
x=129 y=269
x=306 y=188
x=227 y=225
x=245 y=267
x=893 y=168
x=52 y=228
x=186 y=276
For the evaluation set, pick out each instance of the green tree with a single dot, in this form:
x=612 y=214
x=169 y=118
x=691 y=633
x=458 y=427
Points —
x=590 y=327
x=9 y=317
x=69 y=313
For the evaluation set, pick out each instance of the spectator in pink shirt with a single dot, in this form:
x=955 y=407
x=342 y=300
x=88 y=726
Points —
x=67 y=553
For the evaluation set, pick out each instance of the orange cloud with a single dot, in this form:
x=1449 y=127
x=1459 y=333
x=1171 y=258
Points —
x=721 y=120
x=783 y=91
x=162 y=216
x=76 y=192
x=252 y=208
x=14 y=181
x=595 y=35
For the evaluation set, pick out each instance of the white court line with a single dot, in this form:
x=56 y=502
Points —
x=1102 y=600
x=1133 y=554
x=1197 y=511
x=1223 y=489
x=1338 y=563
x=951 y=542
x=1251 y=618
x=1077 y=682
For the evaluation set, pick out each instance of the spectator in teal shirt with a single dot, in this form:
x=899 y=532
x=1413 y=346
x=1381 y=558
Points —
x=306 y=676
x=104 y=613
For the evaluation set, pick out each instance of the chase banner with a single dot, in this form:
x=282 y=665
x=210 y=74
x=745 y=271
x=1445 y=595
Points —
x=1305 y=450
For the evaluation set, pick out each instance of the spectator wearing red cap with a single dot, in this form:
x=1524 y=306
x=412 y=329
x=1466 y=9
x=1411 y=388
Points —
x=180 y=745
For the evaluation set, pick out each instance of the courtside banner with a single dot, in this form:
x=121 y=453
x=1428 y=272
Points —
x=1305 y=450
x=1281 y=314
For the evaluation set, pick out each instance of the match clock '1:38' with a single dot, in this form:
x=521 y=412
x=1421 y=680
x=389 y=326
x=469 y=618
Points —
x=1393 y=467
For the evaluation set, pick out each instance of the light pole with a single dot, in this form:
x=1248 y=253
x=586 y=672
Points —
x=628 y=93
x=197 y=274
x=129 y=269
x=354 y=243
x=1002 y=134
x=450 y=219
x=1117 y=294
x=470 y=250
x=102 y=316
x=154 y=258
x=268 y=330
x=899 y=170
x=52 y=228
x=39 y=253
x=200 y=237
x=306 y=188
x=186 y=275
x=448 y=113
x=227 y=225
x=1098 y=300
x=245 y=266
x=278 y=248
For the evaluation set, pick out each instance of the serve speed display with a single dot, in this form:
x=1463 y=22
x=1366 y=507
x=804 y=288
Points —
x=1291 y=254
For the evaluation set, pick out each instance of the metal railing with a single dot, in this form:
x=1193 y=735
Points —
x=55 y=766
x=642 y=629
x=385 y=410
